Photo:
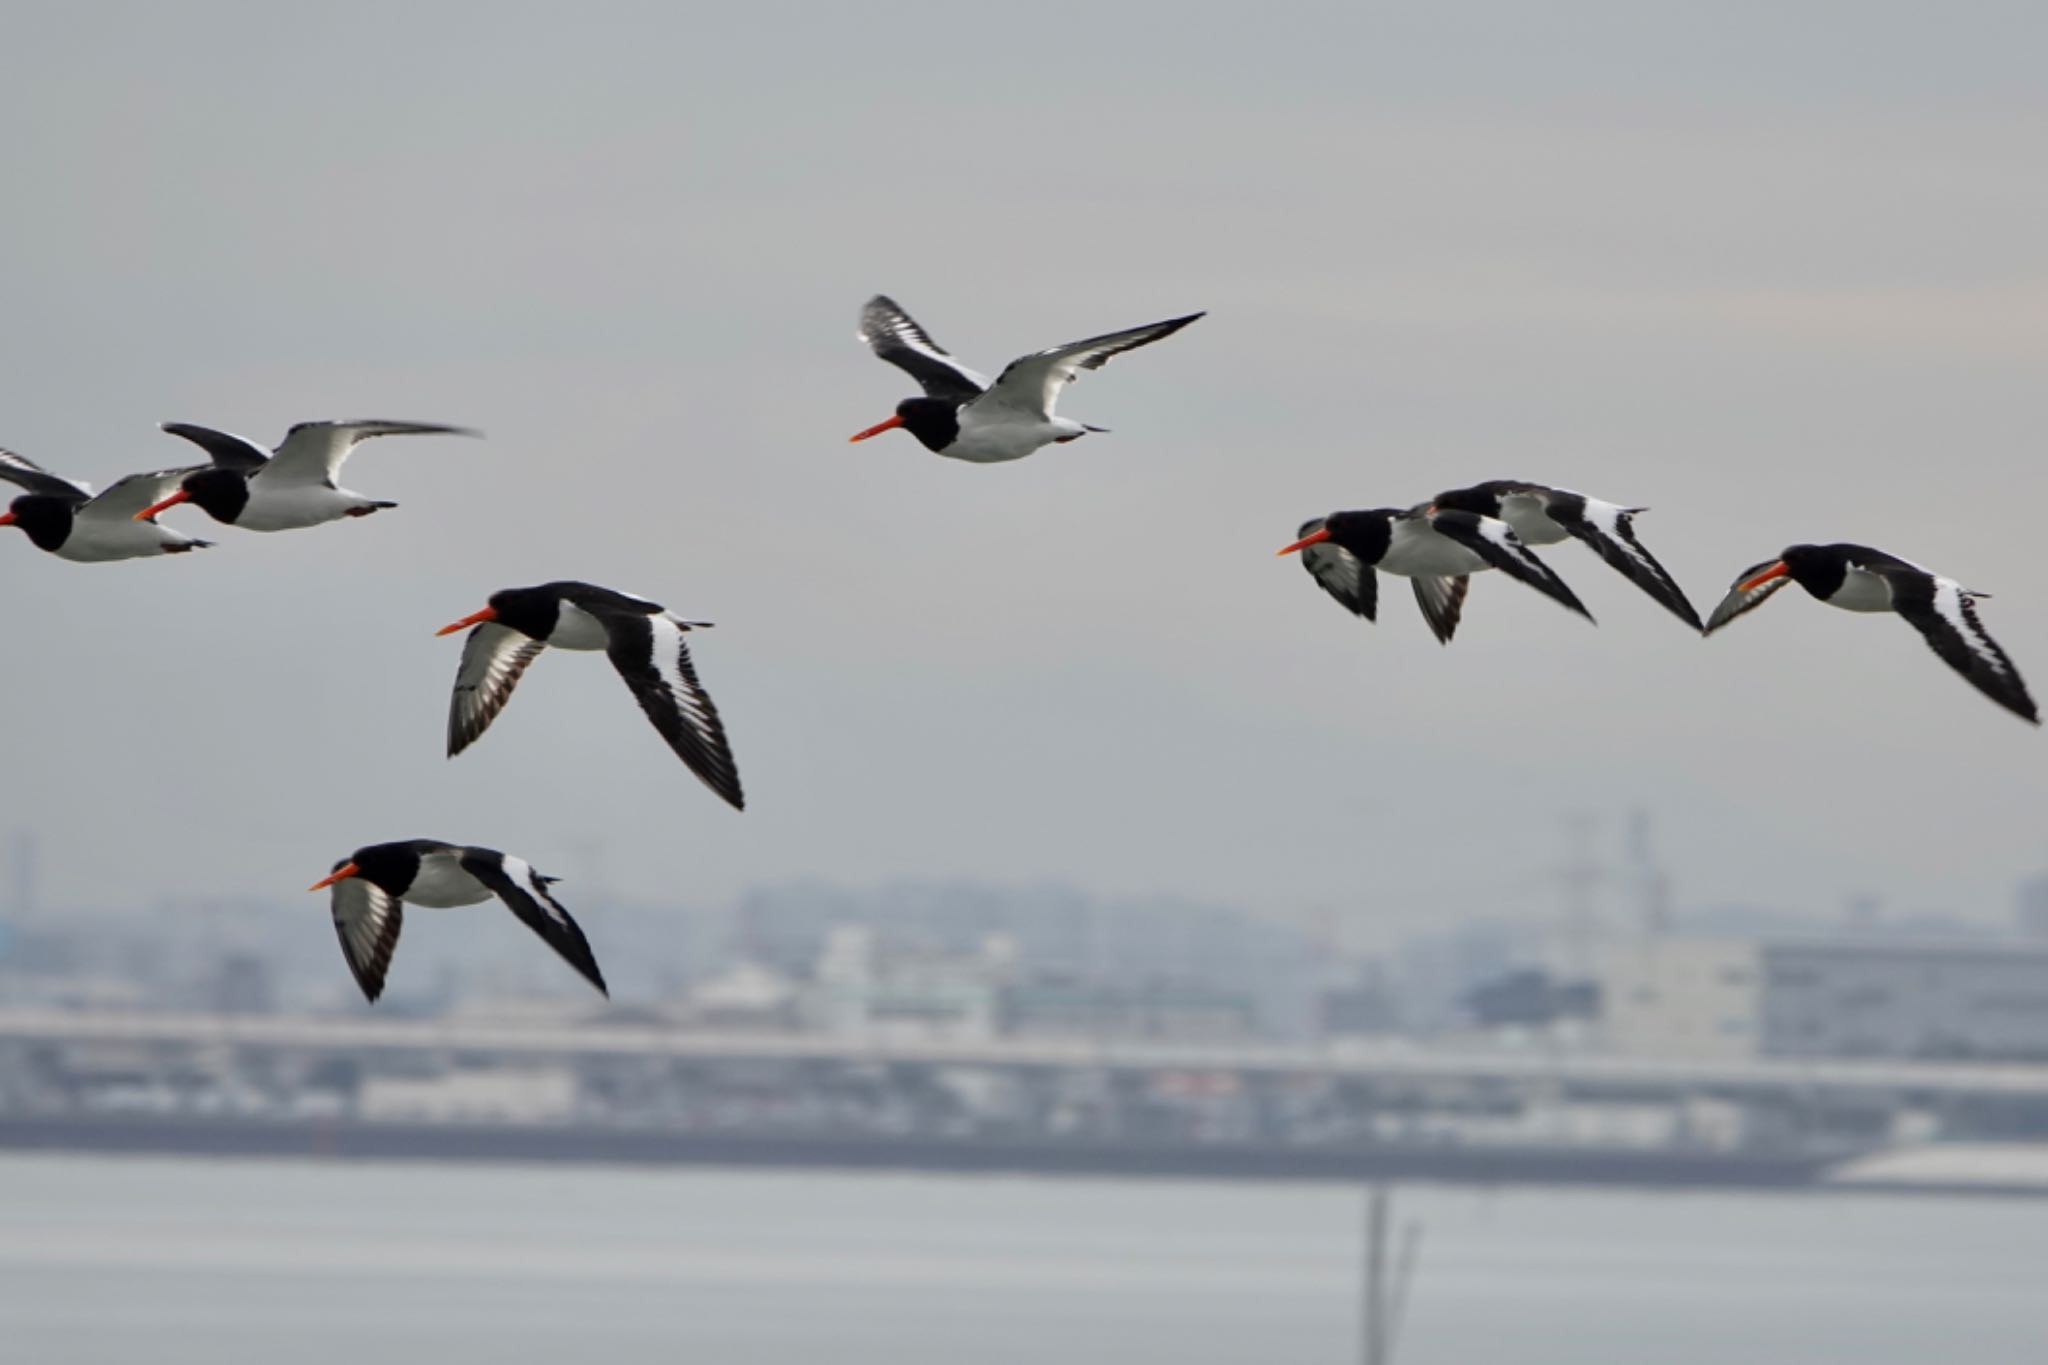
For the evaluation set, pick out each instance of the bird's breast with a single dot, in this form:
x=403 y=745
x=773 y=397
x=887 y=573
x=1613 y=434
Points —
x=442 y=882
x=576 y=628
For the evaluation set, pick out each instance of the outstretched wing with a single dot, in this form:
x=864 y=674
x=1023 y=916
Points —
x=1946 y=614
x=1738 y=601
x=123 y=498
x=20 y=469
x=895 y=336
x=312 y=452
x=224 y=448
x=1495 y=542
x=650 y=655
x=1443 y=603
x=1030 y=385
x=1340 y=573
x=525 y=893
x=1610 y=530
x=493 y=657
x=367 y=919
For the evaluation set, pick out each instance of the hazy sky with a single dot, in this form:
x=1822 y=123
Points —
x=1779 y=276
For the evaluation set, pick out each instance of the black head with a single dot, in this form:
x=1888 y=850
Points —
x=219 y=492
x=1365 y=534
x=530 y=611
x=934 y=421
x=46 y=519
x=390 y=867
x=1819 y=569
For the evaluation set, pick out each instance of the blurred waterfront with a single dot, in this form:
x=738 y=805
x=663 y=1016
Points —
x=226 y=1263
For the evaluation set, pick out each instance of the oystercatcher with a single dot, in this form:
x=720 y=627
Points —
x=1435 y=547
x=643 y=641
x=964 y=417
x=66 y=518
x=1542 y=515
x=1858 y=578
x=372 y=885
x=290 y=488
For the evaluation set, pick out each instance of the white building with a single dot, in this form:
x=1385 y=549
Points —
x=1828 y=998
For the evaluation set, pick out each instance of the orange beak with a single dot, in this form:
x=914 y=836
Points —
x=345 y=870
x=878 y=428
x=1777 y=570
x=6 y=518
x=172 y=501
x=474 y=618
x=1316 y=538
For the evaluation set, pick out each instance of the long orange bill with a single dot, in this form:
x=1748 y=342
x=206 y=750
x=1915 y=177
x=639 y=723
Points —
x=878 y=428
x=1314 y=538
x=172 y=501
x=473 y=619
x=1777 y=570
x=6 y=518
x=345 y=870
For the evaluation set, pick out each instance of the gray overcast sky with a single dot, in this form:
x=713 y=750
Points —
x=1778 y=275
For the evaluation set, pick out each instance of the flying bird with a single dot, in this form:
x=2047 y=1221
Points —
x=372 y=885
x=643 y=641
x=1545 y=516
x=964 y=417
x=1858 y=578
x=286 y=489
x=66 y=519
x=1436 y=548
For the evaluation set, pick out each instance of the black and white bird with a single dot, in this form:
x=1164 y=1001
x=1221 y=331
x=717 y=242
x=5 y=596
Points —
x=1542 y=515
x=643 y=641
x=1858 y=578
x=373 y=885
x=286 y=489
x=964 y=417
x=69 y=521
x=1436 y=549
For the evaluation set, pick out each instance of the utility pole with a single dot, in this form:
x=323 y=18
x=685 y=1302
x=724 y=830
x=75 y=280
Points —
x=1387 y=1280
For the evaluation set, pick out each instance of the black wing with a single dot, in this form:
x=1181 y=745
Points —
x=1496 y=542
x=1944 y=612
x=226 y=449
x=525 y=893
x=650 y=655
x=367 y=919
x=493 y=658
x=1340 y=573
x=1611 y=531
x=36 y=479
x=895 y=336
x=1443 y=603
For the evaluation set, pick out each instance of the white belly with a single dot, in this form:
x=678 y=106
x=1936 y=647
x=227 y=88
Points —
x=1419 y=552
x=295 y=506
x=1862 y=590
x=1532 y=524
x=576 y=628
x=442 y=883
x=93 y=541
x=986 y=441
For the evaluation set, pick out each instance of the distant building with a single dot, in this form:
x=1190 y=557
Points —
x=858 y=987
x=1162 y=1011
x=2030 y=906
x=1829 y=998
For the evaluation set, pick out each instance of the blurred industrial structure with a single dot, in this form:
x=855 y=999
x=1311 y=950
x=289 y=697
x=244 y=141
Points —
x=1628 y=1038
